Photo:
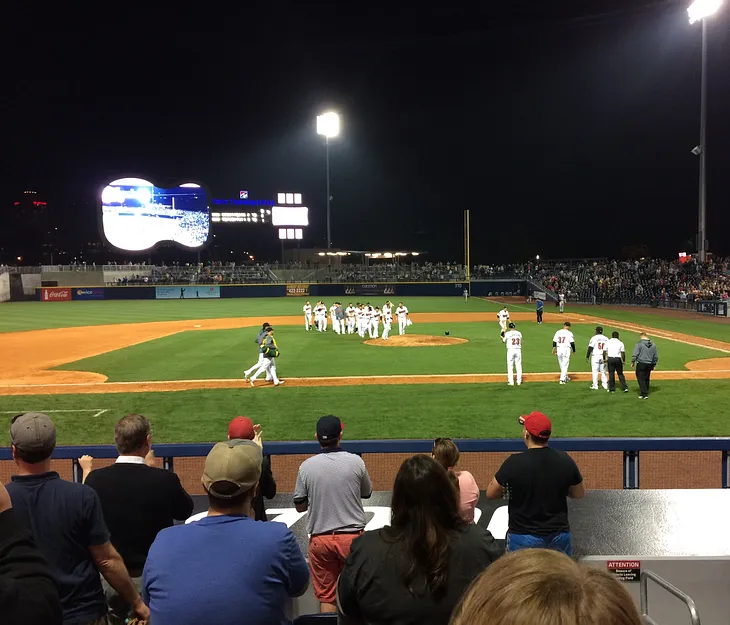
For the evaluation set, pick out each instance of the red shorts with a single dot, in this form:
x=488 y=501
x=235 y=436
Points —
x=327 y=553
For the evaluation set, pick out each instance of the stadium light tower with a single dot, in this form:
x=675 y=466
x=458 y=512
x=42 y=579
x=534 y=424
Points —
x=328 y=124
x=698 y=11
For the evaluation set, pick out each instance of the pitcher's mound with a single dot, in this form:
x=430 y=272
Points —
x=415 y=340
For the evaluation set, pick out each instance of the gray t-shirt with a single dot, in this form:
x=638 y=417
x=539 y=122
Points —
x=334 y=483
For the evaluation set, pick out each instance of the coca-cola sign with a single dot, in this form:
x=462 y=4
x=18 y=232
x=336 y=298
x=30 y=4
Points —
x=55 y=294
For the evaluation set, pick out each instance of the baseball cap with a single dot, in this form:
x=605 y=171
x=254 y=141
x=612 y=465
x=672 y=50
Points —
x=537 y=424
x=241 y=427
x=33 y=432
x=237 y=462
x=329 y=428
x=512 y=325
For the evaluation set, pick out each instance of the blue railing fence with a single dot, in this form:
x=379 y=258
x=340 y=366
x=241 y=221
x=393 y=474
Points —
x=630 y=447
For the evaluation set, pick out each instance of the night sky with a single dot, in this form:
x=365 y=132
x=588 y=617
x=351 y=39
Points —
x=567 y=132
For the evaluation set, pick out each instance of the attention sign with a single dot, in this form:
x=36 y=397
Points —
x=625 y=570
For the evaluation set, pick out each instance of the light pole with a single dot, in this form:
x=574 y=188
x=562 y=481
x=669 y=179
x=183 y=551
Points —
x=328 y=125
x=700 y=10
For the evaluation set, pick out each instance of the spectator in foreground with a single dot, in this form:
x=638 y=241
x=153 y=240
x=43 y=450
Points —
x=243 y=428
x=225 y=568
x=536 y=482
x=546 y=587
x=137 y=500
x=28 y=594
x=446 y=453
x=67 y=524
x=414 y=571
x=331 y=486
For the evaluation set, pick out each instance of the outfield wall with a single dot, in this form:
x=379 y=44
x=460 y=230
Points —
x=484 y=288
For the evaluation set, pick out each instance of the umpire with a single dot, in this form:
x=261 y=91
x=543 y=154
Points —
x=644 y=359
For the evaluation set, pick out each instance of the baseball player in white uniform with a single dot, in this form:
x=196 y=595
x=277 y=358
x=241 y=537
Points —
x=307 y=316
x=402 y=314
x=375 y=323
x=333 y=318
x=350 y=314
x=512 y=340
x=362 y=321
x=320 y=317
x=387 y=320
x=465 y=293
x=561 y=301
x=596 y=346
x=503 y=316
x=563 y=346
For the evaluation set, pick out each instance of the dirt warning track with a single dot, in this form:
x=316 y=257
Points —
x=26 y=358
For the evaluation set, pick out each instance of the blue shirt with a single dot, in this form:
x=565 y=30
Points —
x=539 y=304
x=65 y=520
x=222 y=570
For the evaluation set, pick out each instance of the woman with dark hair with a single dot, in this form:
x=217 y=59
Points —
x=446 y=453
x=414 y=571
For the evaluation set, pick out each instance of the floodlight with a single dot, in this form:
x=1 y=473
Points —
x=281 y=198
x=320 y=254
x=298 y=234
x=297 y=198
x=328 y=124
x=700 y=9
x=289 y=198
x=414 y=253
x=282 y=233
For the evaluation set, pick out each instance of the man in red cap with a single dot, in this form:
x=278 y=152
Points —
x=537 y=482
x=242 y=428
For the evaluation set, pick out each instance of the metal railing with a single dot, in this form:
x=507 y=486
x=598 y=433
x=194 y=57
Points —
x=694 y=616
x=631 y=448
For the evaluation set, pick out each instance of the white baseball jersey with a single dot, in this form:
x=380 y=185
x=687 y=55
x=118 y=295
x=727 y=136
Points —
x=386 y=309
x=320 y=310
x=561 y=297
x=598 y=343
x=376 y=315
x=350 y=312
x=563 y=338
x=333 y=308
x=401 y=311
x=615 y=348
x=512 y=339
x=503 y=316
x=387 y=318
x=307 y=310
x=362 y=313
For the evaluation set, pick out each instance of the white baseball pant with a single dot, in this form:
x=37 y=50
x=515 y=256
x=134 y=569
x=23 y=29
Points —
x=503 y=325
x=598 y=366
x=563 y=363
x=514 y=359
x=402 y=325
x=324 y=322
x=373 y=329
x=341 y=323
x=269 y=366
x=320 y=324
x=307 y=322
x=361 y=327
x=351 y=325
x=562 y=305
x=335 y=325
x=386 y=330
x=256 y=366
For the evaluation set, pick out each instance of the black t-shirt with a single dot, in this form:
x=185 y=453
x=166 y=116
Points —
x=138 y=501
x=65 y=520
x=371 y=587
x=536 y=483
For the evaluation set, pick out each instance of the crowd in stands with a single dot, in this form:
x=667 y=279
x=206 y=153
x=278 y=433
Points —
x=398 y=272
x=107 y=551
x=202 y=273
x=641 y=281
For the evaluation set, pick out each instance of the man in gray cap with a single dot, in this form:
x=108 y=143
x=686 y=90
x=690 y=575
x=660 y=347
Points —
x=226 y=567
x=67 y=523
x=644 y=358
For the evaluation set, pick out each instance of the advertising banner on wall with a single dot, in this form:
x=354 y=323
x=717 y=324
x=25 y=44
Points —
x=297 y=290
x=56 y=294
x=88 y=294
x=191 y=291
x=369 y=289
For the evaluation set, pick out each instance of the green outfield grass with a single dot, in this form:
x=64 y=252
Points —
x=215 y=354
x=677 y=408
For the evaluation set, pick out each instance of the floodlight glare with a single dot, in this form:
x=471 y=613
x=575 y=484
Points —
x=700 y=9
x=328 y=124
